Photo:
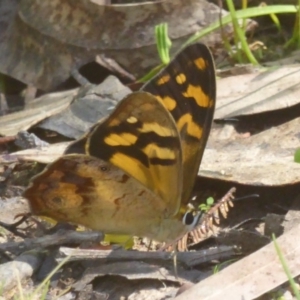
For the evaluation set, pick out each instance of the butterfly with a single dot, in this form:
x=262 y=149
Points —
x=134 y=171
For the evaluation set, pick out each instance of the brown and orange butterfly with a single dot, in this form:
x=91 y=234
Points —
x=134 y=171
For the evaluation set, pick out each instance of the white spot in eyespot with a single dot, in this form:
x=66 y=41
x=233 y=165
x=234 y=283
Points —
x=132 y=120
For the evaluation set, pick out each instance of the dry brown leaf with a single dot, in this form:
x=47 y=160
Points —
x=258 y=92
x=69 y=113
x=42 y=42
x=263 y=159
x=44 y=155
x=252 y=276
x=35 y=111
x=90 y=105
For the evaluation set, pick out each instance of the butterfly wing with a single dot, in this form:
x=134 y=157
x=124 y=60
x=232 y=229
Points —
x=88 y=191
x=129 y=167
x=187 y=88
x=141 y=138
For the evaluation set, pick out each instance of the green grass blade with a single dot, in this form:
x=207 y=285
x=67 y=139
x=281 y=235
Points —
x=163 y=42
x=240 y=37
x=286 y=268
x=241 y=14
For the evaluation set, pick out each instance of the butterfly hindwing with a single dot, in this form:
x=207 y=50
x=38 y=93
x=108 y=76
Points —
x=86 y=190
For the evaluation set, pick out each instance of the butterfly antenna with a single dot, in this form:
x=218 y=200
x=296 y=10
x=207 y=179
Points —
x=247 y=197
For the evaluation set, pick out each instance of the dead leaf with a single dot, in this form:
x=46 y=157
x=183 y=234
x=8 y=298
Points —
x=252 y=276
x=69 y=113
x=12 y=207
x=292 y=218
x=258 y=92
x=42 y=42
x=90 y=105
x=263 y=159
x=20 y=269
x=43 y=155
x=35 y=111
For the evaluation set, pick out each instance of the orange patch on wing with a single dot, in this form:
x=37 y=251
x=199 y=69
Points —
x=197 y=93
x=157 y=128
x=120 y=159
x=192 y=128
x=163 y=80
x=168 y=102
x=154 y=151
x=124 y=139
x=181 y=78
x=200 y=63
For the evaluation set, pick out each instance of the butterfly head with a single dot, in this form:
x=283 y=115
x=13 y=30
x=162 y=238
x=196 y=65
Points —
x=190 y=219
x=172 y=229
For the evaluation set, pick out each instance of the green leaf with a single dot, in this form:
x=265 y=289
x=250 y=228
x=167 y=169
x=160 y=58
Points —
x=203 y=207
x=297 y=156
x=163 y=42
x=151 y=74
x=210 y=201
x=286 y=268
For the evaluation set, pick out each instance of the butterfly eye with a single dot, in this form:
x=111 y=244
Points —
x=191 y=220
x=188 y=218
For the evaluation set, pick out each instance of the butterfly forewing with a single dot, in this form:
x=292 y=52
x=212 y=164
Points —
x=141 y=138
x=187 y=88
